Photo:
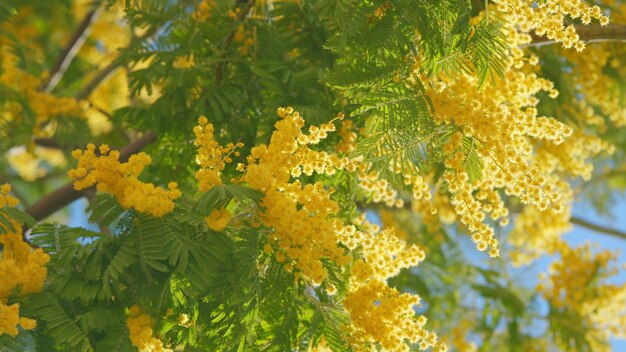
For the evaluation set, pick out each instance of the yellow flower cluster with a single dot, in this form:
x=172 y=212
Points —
x=578 y=282
x=44 y=106
x=108 y=34
x=348 y=137
x=459 y=336
x=306 y=231
x=379 y=314
x=121 y=180
x=302 y=215
x=20 y=267
x=539 y=232
x=377 y=188
x=203 y=10
x=141 y=333
x=29 y=165
x=244 y=38
x=466 y=206
x=519 y=150
x=211 y=157
x=218 y=219
x=600 y=90
x=6 y=199
x=572 y=157
x=548 y=17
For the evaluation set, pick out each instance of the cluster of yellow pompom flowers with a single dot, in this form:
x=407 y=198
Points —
x=576 y=283
x=391 y=321
x=218 y=219
x=21 y=268
x=211 y=157
x=547 y=18
x=306 y=230
x=141 y=333
x=121 y=180
x=302 y=215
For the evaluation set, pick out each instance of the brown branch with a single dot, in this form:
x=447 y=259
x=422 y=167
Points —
x=47 y=143
x=598 y=228
x=66 y=194
x=590 y=34
x=69 y=53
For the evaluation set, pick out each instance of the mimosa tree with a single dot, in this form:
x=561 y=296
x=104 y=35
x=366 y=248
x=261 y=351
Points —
x=295 y=175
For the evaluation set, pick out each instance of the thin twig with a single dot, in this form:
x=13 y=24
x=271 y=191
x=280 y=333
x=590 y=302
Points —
x=589 y=34
x=598 y=228
x=69 y=53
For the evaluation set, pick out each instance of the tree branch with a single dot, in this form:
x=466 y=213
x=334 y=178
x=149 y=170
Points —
x=590 y=34
x=66 y=194
x=69 y=53
x=598 y=228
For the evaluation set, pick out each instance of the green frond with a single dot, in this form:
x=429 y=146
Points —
x=104 y=209
x=23 y=342
x=10 y=213
x=62 y=242
x=473 y=162
x=407 y=149
x=219 y=196
x=115 y=340
x=58 y=324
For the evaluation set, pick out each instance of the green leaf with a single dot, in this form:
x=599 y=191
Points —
x=58 y=324
x=104 y=209
x=219 y=196
x=23 y=342
x=10 y=213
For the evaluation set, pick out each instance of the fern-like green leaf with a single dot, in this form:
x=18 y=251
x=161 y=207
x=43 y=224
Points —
x=58 y=324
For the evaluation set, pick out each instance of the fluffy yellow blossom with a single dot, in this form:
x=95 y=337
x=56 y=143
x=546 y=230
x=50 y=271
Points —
x=204 y=10
x=302 y=215
x=306 y=232
x=601 y=91
x=459 y=336
x=121 y=180
x=499 y=128
x=211 y=157
x=184 y=62
x=577 y=282
x=378 y=313
x=7 y=200
x=141 y=333
x=98 y=122
x=44 y=106
x=22 y=269
x=218 y=219
x=348 y=137
x=548 y=18
x=30 y=165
